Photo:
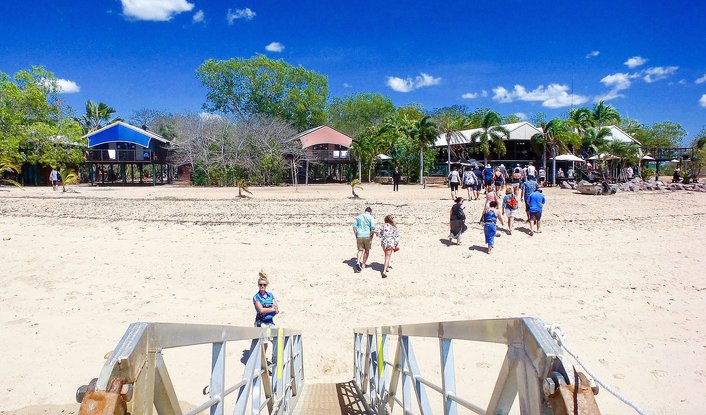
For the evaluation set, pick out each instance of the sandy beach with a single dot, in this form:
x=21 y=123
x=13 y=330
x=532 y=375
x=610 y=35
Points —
x=624 y=275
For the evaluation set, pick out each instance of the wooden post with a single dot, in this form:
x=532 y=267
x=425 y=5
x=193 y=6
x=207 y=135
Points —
x=306 y=173
x=154 y=174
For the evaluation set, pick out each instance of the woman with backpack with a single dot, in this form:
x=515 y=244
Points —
x=457 y=221
x=469 y=182
x=509 y=208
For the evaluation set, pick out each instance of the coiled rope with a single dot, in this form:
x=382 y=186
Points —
x=560 y=337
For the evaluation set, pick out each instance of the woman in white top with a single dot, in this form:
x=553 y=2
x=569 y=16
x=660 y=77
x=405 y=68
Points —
x=454 y=180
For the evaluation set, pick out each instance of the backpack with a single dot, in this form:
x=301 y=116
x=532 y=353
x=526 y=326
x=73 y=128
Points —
x=512 y=202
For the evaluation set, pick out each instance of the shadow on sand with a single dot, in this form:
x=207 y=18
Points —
x=523 y=230
x=478 y=248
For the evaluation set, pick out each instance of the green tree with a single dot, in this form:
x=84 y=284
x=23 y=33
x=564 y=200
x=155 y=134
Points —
x=353 y=114
x=592 y=140
x=491 y=136
x=263 y=86
x=34 y=128
x=581 y=119
x=556 y=137
x=605 y=114
x=450 y=122
x=664 y=134
x=699 y=146
x=97 y=116
x=425 y=133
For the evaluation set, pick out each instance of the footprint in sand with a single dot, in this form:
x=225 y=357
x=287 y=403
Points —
x=618 y=376
x=659 y=373
x=482 y=365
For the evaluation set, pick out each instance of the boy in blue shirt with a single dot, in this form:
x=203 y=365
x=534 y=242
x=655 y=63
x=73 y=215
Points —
x=536 y=204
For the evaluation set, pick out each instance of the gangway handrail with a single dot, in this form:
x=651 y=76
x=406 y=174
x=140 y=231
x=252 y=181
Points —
x=137 y=363
x=533 y=368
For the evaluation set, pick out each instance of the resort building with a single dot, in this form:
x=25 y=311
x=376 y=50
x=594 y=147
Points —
x=460 y=147
x=123 y=153
x=327 y=156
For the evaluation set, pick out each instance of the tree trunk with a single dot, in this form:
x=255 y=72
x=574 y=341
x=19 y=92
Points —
x=421 y=164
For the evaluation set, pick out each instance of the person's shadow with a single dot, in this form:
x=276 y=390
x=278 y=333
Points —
x=523 y=230
x=446 y=242
x=478 y=248
x=351 y=262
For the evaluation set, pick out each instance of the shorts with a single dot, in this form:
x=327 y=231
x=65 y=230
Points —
x=264 y=325
x=511 y=213
x=542 y=179
x=498 y=184
x=488 y=182
x=515 y=185
x=454 y=186
x=475 y=186
x=364 y=243
x=535 y=215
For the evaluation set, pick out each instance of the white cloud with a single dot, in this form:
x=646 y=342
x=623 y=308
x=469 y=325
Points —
x=154 y=10
x=701 y=80
x=658 y=73
x=521 y=115
x=347 y=85
x=274 y=47
x=409 y=84
x=470 y=95
x=198 y=17
x=593 y=54
x=682 y=82
x=553 y=96
x=635 y=61
x=616 y=82
x=702 y=101
x=67 y=87
x=245 y=13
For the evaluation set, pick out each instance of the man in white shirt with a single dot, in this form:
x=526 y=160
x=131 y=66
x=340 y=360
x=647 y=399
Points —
x=531 y=170
x=54 y=178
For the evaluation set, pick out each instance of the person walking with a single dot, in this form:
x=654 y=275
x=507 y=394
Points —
x=542 y=177
x=487 y=178
x=509 y=208
x=390 y=241
x=266 y=306
x=363 y=229
x=531 y=170
x=479 y=181
x=469 y=182
x=516 y=178
x=499 y=180
x=54 y=178
x=528 y=187
x=454 y=180
x=490 y=228
x=536 y=205
x=457 y=221
x=396 y=177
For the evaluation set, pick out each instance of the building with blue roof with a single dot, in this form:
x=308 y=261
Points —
x=123 y=153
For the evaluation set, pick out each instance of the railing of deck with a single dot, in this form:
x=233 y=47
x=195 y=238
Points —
x=137 y=361
x=389 y=377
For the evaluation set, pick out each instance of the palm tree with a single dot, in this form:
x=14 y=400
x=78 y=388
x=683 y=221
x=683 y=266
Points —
x=8 y=166
x=580 y=120
x=627 y=153
x=97 y=116
x=425 y=131
x=557 y=136
x=605 y=114
x=593 y=139
x=450 y=126
x=491 y=135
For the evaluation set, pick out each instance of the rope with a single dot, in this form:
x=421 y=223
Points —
x=560 y=337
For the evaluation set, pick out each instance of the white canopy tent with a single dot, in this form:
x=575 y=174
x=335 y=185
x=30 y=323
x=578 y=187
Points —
x=569 y=157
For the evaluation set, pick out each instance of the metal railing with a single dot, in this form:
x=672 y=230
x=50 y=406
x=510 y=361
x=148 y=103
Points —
x=532 y=364
x=144 y=382
x=137 y=156
x=328 y=155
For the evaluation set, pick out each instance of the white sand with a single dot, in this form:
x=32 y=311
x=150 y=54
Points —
x=624 y=275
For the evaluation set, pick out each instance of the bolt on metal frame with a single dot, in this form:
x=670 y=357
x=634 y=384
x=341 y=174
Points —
x=532 y=356
x=138 y=358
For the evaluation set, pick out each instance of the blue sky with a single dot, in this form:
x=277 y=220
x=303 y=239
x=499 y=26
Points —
x=647 y=58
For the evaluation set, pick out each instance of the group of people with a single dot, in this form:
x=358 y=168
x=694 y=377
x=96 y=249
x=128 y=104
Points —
x=364 y=229
x=496 y=208
x=473 y=179
x=56 y=180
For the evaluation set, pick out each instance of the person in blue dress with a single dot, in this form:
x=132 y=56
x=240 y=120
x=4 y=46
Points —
x=490 y=228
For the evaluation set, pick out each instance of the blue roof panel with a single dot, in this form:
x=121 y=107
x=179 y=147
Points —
x=119 y=133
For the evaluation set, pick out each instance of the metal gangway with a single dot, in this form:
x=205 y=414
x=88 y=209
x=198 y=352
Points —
x=386 y=380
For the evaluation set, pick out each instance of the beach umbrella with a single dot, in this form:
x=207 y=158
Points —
x=383 y=157
x=569 y=157
x=648 y=158
x=603 y=156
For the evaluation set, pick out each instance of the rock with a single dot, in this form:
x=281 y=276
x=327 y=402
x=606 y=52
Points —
x=573 y=185
x=565 y=185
